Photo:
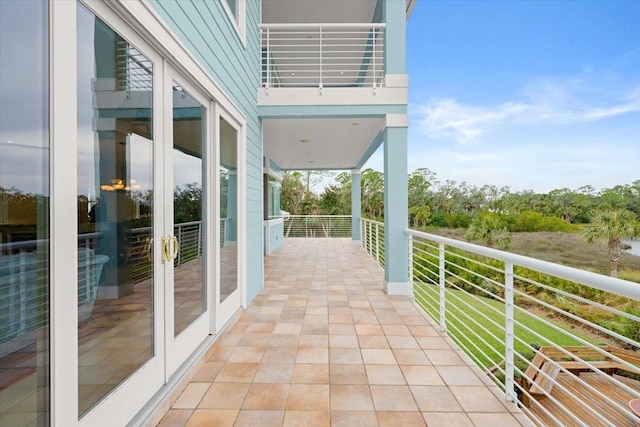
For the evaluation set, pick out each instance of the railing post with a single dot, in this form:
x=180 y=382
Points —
x=442 y=281
x=320 y=86
x=267 y=60
x=377 y=243
x=411 y=262
x=510 y=393
x=373 y=56
x=199 y=239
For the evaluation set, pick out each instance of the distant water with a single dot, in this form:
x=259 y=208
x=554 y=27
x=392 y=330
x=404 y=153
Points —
x=635 y=247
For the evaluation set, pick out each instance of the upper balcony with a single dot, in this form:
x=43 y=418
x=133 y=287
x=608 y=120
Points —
x=331 y=53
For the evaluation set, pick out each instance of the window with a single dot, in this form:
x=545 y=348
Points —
x=236 y=9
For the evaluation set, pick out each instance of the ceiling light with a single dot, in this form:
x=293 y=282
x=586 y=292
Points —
x=342 y=73
x=310 y=161
x=293 y=74
x=354 y=123
x=304 y=141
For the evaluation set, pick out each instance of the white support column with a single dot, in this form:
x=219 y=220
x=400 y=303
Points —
x=356 y=204
x=396 y=242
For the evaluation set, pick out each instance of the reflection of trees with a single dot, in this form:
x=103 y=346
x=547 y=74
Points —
x=224 y=193
x=19 y=212
x=187 y=203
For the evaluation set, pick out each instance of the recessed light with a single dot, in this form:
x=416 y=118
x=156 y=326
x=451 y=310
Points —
x=293 y=74
x=342 y=73
x=304 y=141
x=310 y=161
x=354 y=123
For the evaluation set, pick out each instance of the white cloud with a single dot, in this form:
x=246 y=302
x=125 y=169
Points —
x=570 y=101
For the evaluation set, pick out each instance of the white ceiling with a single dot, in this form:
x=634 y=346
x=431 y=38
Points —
x=317 y=11
x=332 y=143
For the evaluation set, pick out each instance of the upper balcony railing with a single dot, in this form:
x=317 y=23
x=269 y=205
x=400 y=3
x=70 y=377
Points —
x=562 y=343
x=319 y=226
x=322 y=55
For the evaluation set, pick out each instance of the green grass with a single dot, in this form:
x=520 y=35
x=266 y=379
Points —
x=562 y=248
x=455 y=303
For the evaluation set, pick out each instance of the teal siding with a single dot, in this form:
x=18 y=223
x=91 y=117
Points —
x=206 y=30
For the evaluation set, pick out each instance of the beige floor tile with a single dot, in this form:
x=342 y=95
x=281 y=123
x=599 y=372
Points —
x=477 y=399
x=246 y=355
x=449 y=419
x=393 y=398
x=224 y=396
x=345 y=356
x=175 y=418
x=458 y=375
x=411 y=357
x=433 y=343
x=259 y=418
x=369 y=330
x=435 y=399
x=444 y=357
x=312 y=355
x=212 y=417
x=266 y=396
x=350 y=398
x=343 y=341
x=354 y=418
x=491 y=420
x=191 y=396
x=385 y=375
x=403 y=419
x=378 y=356
x=274 y=373
x=347 y=374
x=373 y=341
x=421 y=375
x=310 y=374
x=280 y=355
x=319 y=340
x=306 y=419
x=208 y=372
x=308 y=397
x=237 y=372
x=403 y=342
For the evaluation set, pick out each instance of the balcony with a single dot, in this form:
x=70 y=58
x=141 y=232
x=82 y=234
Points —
x=322 y=55
x=323 y=344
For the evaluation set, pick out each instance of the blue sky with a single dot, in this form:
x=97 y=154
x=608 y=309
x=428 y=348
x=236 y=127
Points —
x=529 y=94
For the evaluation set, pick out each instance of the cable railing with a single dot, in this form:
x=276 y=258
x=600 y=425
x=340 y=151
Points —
x=322 y=55
x=317 y=226
x=562 y=343
x=372 y=235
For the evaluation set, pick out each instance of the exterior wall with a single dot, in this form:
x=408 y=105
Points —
x=207 y=31
x=273 y=235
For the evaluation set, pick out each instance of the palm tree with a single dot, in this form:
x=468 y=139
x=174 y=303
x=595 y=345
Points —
x=612 y=225
x=491 y=230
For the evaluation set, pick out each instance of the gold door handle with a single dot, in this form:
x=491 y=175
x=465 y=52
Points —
x=176 y=246
x=166 y=254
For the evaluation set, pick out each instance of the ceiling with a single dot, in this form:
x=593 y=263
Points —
x=321 y=11
x=332 y=143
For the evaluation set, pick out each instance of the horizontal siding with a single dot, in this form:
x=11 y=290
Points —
x=206 y=30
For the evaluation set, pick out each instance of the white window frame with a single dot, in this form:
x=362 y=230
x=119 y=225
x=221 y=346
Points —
x=238 y=21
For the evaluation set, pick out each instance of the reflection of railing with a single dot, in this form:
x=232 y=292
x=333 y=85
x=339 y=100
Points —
x=322 y=55
x=562 y=343
x=317 y=226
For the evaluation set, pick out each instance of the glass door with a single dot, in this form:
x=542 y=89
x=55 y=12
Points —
x=119 y=200
x=186 y=240
x=228 y=291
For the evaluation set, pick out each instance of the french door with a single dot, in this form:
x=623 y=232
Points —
x=186 y=253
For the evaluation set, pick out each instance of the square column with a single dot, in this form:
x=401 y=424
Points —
x=396 y=242
x=356 y=204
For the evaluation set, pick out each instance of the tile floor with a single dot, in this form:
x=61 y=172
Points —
x=323 y=345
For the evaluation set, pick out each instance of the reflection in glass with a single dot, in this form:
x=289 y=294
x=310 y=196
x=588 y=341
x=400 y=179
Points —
x=228 y=210
x=115 y=208
x=24 y=214
x=188 y=204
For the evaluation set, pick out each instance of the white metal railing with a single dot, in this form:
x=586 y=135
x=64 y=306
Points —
x=562 y=343
x=322 y=55
x=372 y=238
x=321 y=226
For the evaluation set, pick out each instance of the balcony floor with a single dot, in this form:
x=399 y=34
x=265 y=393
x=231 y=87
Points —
x=323 y=345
